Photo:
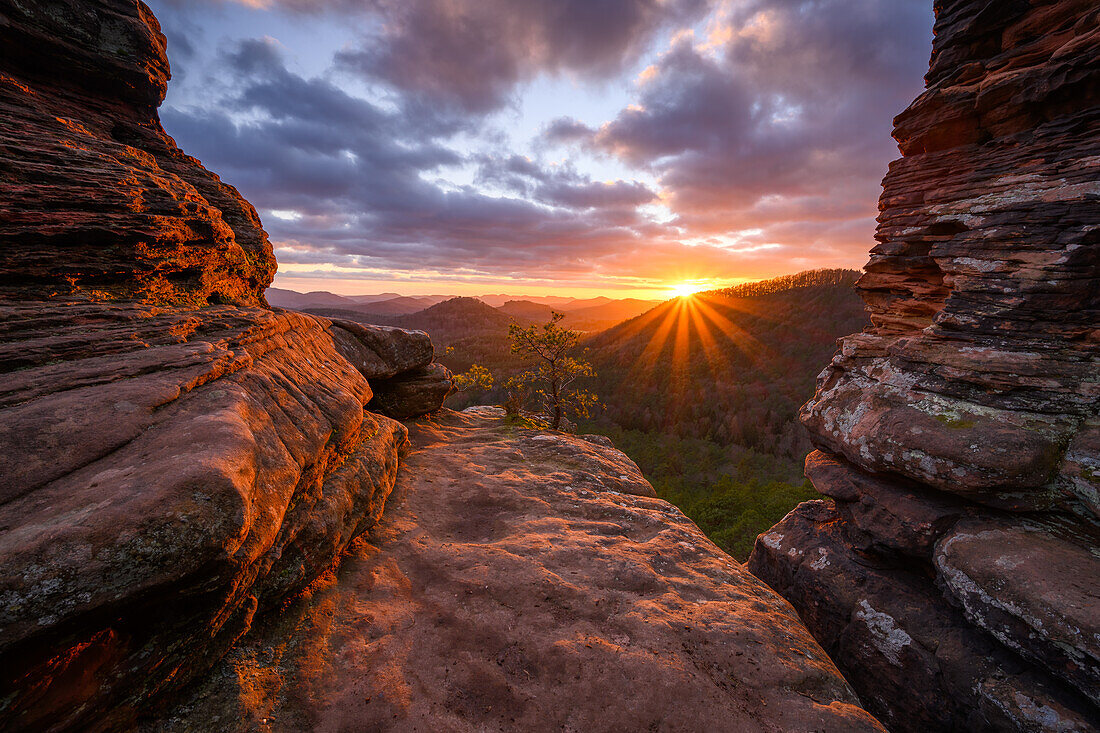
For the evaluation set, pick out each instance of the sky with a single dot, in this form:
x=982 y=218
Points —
x=577 y=147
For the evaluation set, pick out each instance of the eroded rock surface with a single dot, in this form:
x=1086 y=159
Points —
x=382 y=352
x=1032 y=587
x=166 y=474
x=890 y=628
x=972 y=401
x=94 y=196
x=508 y=587
x=413 y=393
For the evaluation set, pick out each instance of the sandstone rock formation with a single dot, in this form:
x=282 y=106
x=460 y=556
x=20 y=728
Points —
x=167 y=474
x=382 y=352
x=413 y=393
x=511 y=587
x=958 y=437
x=95 y=198
x=398 y=362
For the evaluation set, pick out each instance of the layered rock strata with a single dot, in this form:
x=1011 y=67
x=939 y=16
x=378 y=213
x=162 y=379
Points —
x=398 y=363
x=958 y=436
x=95 y=198
x=166 y=472
x=167 y=475
x=526 y=580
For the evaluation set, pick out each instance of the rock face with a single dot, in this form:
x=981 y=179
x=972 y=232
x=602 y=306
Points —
x=413 y=393
x=398 y=362
x=167 y=474
x=95 y=198
x=511 y=586
x=958 y=437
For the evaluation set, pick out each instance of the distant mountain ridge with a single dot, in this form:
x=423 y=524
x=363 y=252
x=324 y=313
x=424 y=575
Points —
x=387 y=303
x=592 y=311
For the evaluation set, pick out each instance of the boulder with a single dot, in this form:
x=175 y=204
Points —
x=381 y=352
x=893 y=635
x=1031 y=589
x=498 y=594
x=167 y=474
x=413 y=393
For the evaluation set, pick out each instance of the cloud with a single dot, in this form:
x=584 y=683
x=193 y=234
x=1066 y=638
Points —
x=780 y=116
x=471 y=54
x=565 y=130
x=757 y=141
x=350 y=180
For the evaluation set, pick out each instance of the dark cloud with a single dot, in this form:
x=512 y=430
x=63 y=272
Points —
x=349 y=180
x=470 y=54
x=565 y=130
x=594 y=194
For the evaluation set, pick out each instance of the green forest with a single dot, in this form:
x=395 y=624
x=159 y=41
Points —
x=733 y=493
x=730 y=366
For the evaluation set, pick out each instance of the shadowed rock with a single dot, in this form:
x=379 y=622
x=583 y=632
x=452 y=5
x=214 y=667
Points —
x=895 y=635
x=413 y=393
x=167 y=473
x=398 y=363
x=1032 y=590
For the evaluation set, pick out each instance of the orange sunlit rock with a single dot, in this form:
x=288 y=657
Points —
x=95 y=198
x=517 y=582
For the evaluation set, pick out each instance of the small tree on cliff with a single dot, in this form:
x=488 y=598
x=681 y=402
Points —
x=476 y=378
x=556 y=372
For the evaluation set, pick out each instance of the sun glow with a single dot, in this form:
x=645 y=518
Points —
x=686 y=290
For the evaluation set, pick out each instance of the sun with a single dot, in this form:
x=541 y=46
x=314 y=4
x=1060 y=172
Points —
x=685 y=290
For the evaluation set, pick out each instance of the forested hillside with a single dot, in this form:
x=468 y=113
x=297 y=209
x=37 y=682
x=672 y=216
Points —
x=730 y=366
x=465 y=332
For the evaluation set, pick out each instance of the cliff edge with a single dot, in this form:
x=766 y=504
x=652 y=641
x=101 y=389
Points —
x=526 y=580
x=958 y=438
